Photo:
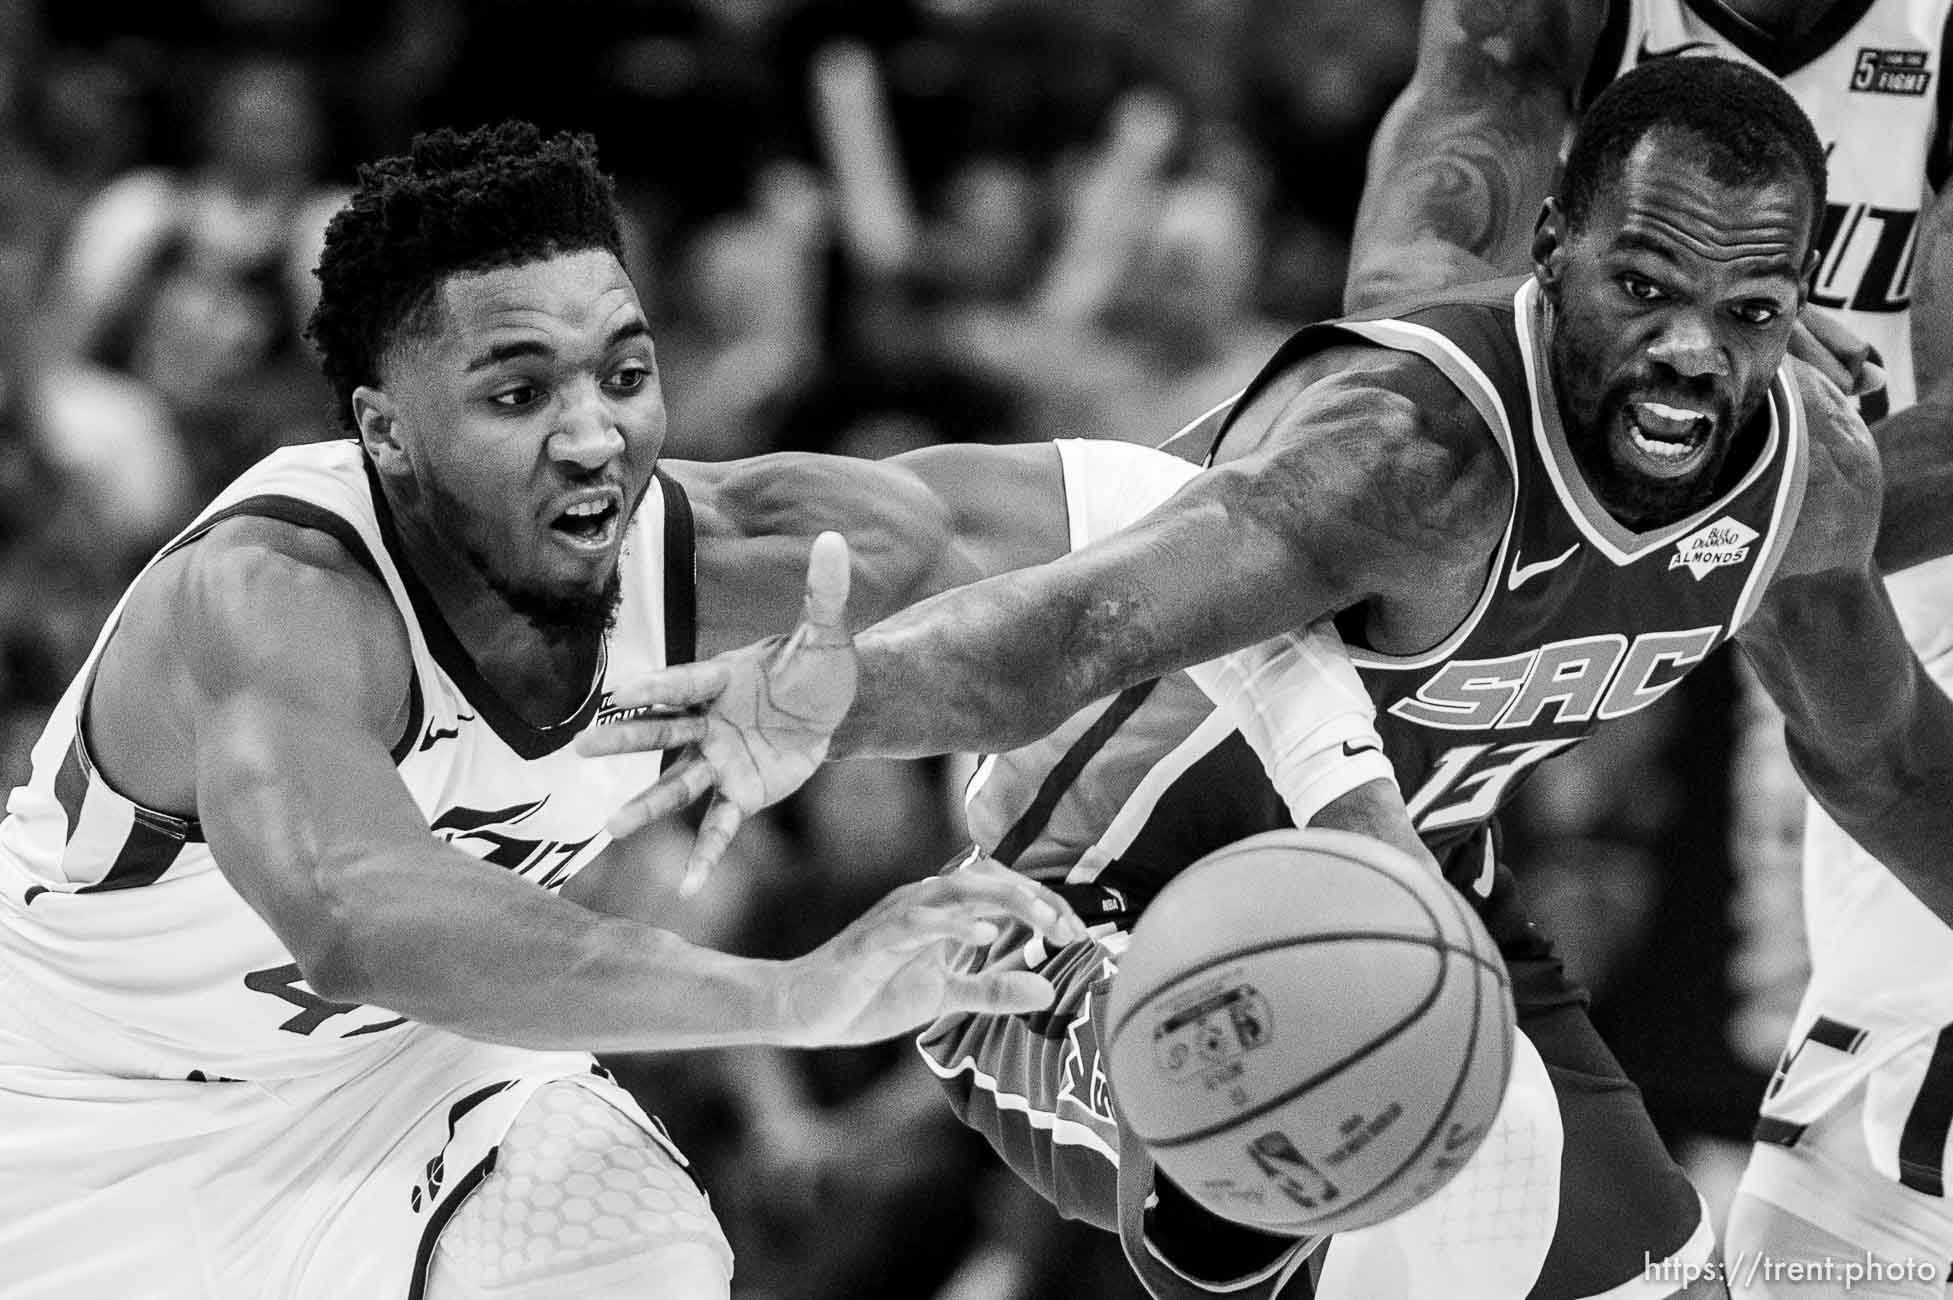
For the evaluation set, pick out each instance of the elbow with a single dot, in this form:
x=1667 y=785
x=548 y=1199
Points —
x=335 y=966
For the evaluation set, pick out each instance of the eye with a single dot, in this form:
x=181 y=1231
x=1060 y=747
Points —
x=1756 y=313
x=629 y=378
x=1643 y=290
x=516 y=397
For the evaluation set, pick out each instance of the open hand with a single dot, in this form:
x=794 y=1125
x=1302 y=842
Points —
x=757 y=719
x=897 y=966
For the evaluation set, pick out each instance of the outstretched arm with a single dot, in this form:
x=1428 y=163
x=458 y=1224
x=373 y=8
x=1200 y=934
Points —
x=289 y=717
x=1464 y=158
x=1916 y=444
x=1368 y=486
x=916 y=524
x=1870 y=733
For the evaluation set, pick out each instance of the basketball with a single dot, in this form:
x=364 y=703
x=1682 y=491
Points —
x=1310 y=1030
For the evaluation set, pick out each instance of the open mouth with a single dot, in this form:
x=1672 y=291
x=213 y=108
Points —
x=588 y=524
x=1667 y=440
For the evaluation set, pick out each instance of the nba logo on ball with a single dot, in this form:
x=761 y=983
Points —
x=1310 y=1031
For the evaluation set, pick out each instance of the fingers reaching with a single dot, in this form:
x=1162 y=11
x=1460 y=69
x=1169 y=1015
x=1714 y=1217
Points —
x=994 y=888
x=715 y=834
x=1004 y=992
x=641 y=734
x=681 y=784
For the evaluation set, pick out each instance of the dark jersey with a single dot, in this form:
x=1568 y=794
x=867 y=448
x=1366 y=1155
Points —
x=1579 y=620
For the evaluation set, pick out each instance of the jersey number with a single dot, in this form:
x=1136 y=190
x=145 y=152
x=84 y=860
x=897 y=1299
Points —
x=283 y=982
x=1468 y=783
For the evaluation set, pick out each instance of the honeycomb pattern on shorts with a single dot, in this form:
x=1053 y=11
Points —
x=576 y=1184
x=1505 y=1193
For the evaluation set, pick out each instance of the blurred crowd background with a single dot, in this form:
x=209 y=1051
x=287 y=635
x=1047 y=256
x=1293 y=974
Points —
x=860 y=226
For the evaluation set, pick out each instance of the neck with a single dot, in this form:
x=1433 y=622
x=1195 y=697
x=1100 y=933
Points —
x=543 y=677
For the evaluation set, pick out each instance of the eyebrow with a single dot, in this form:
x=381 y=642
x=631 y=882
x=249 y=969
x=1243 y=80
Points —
x=501 y=352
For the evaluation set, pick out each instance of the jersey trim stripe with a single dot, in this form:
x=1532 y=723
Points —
x=1781 y=57
x=1789 y=504
x=1137 y=813
x=1922 y=1143
x=1938 y=163
x=290 y=510
x=149 y=850
x=1056 y=782
x=681 y=575
x=71 y=785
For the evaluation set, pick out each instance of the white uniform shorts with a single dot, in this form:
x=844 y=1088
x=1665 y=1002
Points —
x=309 y=1189
x=1876 y=1023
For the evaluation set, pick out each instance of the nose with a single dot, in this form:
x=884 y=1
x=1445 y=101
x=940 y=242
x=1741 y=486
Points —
x=1688 y=346
x=586 y=434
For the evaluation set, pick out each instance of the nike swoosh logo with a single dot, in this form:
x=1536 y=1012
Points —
x=1524 y=573
x=1644 y=54
x=1352 y=748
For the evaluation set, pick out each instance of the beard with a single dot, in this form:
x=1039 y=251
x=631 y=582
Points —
x=1637 y=499
x=562 y=615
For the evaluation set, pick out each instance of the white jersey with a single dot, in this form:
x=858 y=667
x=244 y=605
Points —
x=1870 y=77
x=125 y=950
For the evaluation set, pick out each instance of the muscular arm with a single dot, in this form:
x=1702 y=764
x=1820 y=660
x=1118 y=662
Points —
x=1462 y=161
x=1368 y=486
x=1869 y=732
x=1916 y=444
x=292 y=685
x=916 y=524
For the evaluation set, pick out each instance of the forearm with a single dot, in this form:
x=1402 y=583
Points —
x=984 y=668
x=454 y=942
x=1916 y=448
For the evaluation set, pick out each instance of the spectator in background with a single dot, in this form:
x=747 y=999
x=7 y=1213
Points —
x=193 y=284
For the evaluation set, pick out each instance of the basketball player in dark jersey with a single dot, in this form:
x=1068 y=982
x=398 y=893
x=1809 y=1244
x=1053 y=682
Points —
x=1531 y=509
x=1851 y=1147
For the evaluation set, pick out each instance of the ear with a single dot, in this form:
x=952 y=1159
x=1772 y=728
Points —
x=1549 y=242
x=376 y=415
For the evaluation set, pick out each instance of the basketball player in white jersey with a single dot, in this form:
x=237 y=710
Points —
x=291 y=1005
x=1851 y=1152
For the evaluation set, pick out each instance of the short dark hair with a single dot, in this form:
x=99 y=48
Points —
x=453 y=203
x=1748 y=128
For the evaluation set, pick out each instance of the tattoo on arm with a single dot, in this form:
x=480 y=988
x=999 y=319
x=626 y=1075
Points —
x=1471 y=147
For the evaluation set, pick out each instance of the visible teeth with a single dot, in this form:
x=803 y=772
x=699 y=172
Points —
x=1667 y=412
x=1665 y=423
x=584 y=509
x=1661 y=450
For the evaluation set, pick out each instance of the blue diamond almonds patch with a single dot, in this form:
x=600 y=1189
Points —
x=1713 y=546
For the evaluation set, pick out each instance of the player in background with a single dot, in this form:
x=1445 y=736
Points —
x=1532 y=508
x=1850 y=1152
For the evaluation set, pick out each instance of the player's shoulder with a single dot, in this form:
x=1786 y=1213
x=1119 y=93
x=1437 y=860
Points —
x=255 y=591
x=1406 y=428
